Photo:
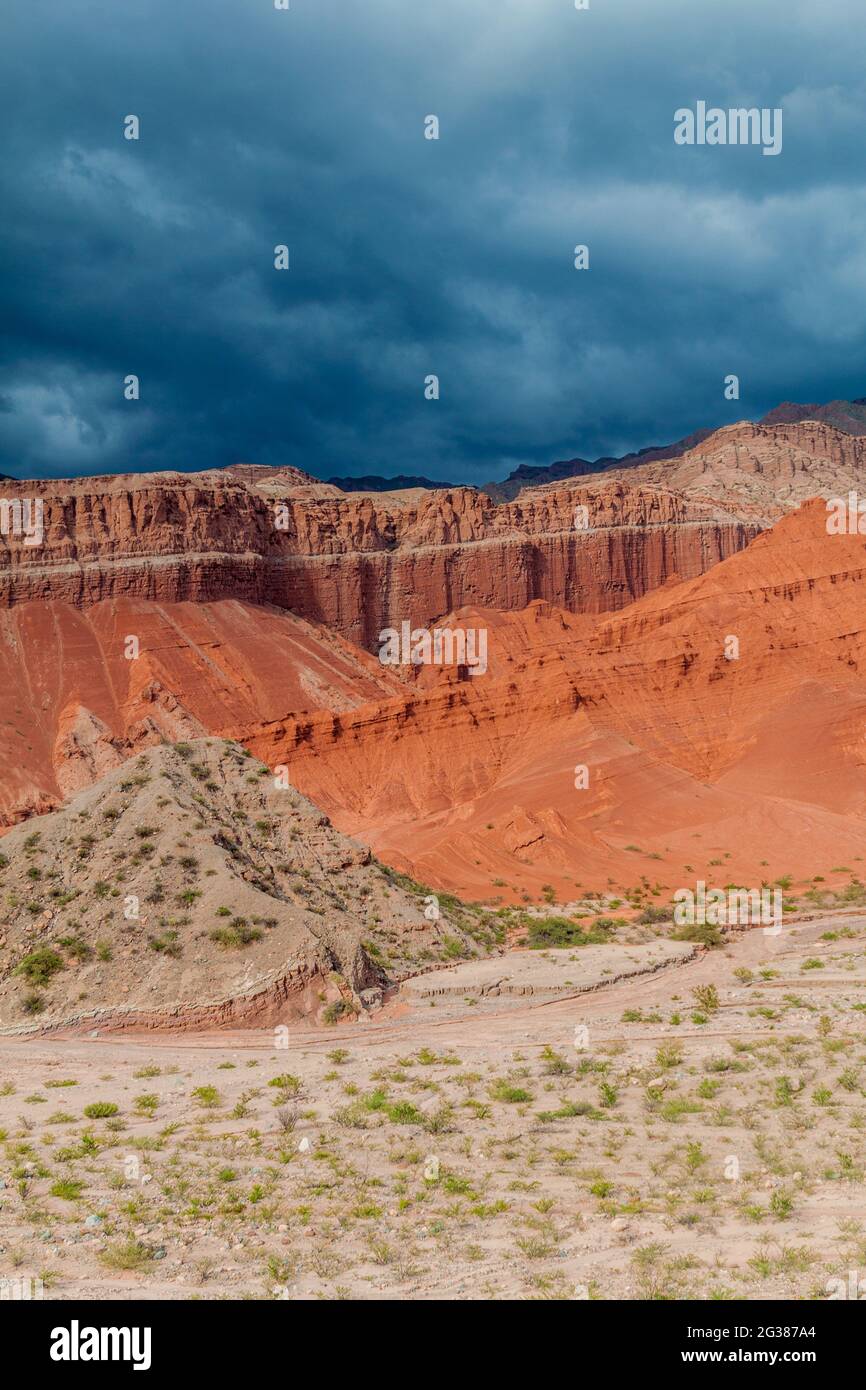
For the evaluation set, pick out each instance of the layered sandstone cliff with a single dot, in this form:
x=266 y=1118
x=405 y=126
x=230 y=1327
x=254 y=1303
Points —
x=357 y=563
x=361 y=562
x=719 y=723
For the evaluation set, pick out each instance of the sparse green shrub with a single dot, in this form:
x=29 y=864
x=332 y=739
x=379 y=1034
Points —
x=239 y=933
x=39 y=966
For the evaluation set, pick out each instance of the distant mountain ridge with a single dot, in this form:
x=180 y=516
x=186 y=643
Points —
x=372 y=482
x=528 y=475
x=847 y=416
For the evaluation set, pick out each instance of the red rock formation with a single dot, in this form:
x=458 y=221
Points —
x=202 y=568
x=360 y=563
x=72 y=706
x=747 y=768
x=356 y=563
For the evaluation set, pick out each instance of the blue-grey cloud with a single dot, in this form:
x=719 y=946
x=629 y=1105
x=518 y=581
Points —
x=408 y=256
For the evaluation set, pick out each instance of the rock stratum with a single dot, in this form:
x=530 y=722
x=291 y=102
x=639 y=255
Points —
x=74 y=705
x=357 y=563
x=254 y=599
x=698 y=764
x=362 y=562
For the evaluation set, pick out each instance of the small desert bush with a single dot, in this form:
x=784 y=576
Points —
x=39 y=966
x=100 y=1110
x=562 y=931
x=238 y=933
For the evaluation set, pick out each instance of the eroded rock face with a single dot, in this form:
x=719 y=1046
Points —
x=719 y=724
x=762 y=471
x=258 y=595
x=358 y=563
x=73 y=705
x=362 y=562
x=224 y=900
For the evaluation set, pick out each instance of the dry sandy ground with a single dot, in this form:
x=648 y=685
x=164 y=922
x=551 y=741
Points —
x=641 y=1138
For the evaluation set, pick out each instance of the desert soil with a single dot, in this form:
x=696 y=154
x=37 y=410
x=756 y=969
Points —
x=648 y=1122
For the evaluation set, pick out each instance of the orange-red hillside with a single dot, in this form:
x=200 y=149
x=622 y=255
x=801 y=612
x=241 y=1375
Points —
x=72 y=706
x=699 y=765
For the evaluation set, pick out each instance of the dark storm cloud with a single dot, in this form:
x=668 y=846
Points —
x=408 y=256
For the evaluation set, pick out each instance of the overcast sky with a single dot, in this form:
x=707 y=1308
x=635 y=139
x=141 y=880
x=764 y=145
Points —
x=409 y=256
